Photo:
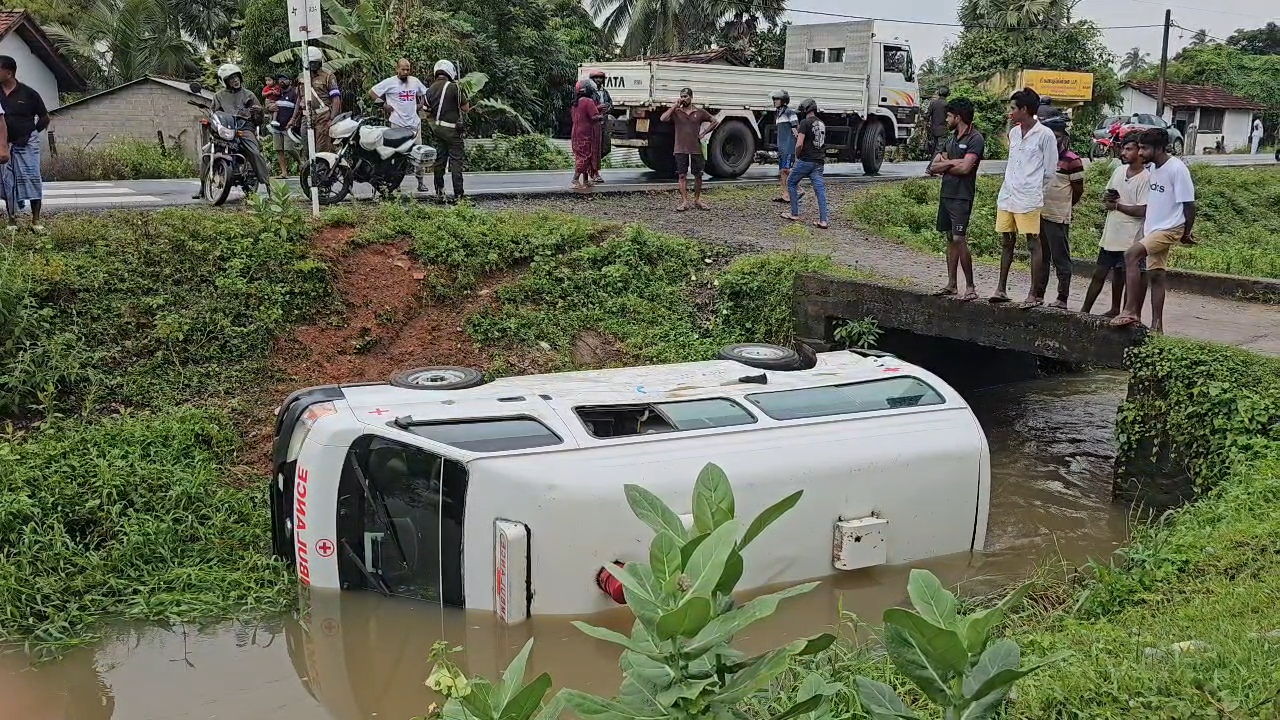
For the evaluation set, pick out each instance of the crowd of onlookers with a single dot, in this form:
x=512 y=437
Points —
x=1150 y=204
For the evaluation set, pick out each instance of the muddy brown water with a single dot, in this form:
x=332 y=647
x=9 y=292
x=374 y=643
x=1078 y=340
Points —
x=358 y=655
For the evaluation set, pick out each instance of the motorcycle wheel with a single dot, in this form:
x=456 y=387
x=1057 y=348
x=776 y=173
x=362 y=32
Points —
x=1098 y=152
x=217 y=184
x=342 y=177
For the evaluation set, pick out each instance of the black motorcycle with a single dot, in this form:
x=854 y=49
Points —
x=368 y=152
x=223 y=159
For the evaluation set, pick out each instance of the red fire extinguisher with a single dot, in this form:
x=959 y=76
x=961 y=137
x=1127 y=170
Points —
x=610 y=585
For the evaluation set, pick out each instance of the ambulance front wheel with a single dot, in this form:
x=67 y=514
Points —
x=442 y=377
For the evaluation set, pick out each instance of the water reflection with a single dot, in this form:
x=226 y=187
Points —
x=358 y=655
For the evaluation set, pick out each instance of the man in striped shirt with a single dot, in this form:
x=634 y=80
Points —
x=1064 y=190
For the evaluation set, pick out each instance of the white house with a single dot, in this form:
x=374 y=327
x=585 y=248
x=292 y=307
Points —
x=40 y=65
x=1216 y=113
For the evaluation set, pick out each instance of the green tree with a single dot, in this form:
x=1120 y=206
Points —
x=1259 y=41
x=128 y=39
x=264 y=33
x=1134 y=61
x=654 y=27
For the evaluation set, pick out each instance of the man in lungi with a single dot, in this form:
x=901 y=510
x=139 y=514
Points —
x=27 y=117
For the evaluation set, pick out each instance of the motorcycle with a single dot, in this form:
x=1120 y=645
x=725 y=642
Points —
x=1101 y=148
x=223 y=159
x=367 y=152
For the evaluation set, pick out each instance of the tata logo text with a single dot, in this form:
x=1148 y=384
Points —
x=619 y=82
x=300 y=524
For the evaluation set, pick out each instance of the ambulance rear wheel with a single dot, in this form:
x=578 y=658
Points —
x=761 y=355
x=438 y=377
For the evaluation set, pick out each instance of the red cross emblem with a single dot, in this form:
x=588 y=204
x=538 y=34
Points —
x=891 y=370
x=325 y=548
x=379 y=412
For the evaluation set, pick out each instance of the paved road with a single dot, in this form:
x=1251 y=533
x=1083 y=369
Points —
x=161 y=193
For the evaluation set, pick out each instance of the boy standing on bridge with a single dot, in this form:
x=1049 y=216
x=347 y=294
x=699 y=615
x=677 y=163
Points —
x=957 y=162
x=1065 y=189
x=1126 y=203
x=1171 y=212
x=1033 y=159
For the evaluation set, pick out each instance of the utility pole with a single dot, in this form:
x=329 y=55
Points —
x=1164 y=63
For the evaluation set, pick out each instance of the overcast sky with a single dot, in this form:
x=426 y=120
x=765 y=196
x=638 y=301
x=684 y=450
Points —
x=927 y=41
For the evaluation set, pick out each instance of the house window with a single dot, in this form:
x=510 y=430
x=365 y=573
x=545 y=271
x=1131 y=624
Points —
x=1211 y=120
x=817 y=56
x=835 y=55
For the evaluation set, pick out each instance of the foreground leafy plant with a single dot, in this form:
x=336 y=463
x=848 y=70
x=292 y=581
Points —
x=677 y=662
x=948 y=656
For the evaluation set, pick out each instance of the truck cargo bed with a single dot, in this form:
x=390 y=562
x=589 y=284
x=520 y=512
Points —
x=648 y=83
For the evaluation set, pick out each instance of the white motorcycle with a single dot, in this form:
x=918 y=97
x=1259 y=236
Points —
x=367 y=152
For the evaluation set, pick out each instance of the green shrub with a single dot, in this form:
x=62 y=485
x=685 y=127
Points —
x=150 y=309
x=517 y=152
x=128 y=517
x=119 y=159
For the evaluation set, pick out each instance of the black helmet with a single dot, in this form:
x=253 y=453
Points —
x=1055 y=121
x=943 y=91
x=782 y=95
x=807 y=106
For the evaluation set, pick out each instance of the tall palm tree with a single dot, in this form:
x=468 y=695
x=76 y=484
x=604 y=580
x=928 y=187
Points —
x=653 y=27
x=1134 y=61
x=128 y=39
x=1015 y=14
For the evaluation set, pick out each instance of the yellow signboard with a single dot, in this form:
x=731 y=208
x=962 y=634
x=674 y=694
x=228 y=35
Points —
x=1059 y=85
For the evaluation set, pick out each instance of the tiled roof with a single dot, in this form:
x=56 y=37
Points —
x=21 y=22
x=1179 y=95
x=175 y=84
x=703 y=57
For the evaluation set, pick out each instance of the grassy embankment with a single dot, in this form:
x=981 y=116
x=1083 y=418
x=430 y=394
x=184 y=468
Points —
x=1207 y=575
x=135 y=360
x=1238 y=225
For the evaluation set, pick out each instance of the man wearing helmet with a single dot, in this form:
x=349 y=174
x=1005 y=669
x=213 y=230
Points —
x=323 y=99
x=236 y=99
x=445 y=104
x=605 y=101
x=811 y=158
x=785 y=121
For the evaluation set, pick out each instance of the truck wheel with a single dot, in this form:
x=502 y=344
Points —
x=761 y=355
x=660 y=156
x=871 y=149
x=439 y=377
x=731 y=151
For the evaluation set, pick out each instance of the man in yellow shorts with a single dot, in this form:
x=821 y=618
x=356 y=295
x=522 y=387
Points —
x=1033 y=159
x=1171 y=212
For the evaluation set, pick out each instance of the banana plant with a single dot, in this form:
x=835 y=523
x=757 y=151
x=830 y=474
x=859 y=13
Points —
x=948 y=656
x=677 y=661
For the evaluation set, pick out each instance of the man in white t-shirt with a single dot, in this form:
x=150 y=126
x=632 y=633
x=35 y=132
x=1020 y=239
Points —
x=1125 y=200
x=1033 y=161
x=1171 y=213
x=1255 y=134
x=403 y=95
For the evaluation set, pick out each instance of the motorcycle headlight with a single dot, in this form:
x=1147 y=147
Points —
x=226 y=133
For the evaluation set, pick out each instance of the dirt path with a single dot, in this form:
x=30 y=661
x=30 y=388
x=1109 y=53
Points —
x=742 y=218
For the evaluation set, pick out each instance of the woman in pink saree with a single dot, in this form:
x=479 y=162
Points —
x=585 y=137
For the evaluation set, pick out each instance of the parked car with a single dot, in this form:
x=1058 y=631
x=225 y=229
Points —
x=1144 y=122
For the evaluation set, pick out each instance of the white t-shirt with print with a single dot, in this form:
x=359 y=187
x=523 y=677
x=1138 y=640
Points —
x=1033 y=160
x=1170 y=187
x=1120 y=230
x=402 y=96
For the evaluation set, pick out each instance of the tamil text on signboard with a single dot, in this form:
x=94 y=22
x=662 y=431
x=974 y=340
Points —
x=1059 y=85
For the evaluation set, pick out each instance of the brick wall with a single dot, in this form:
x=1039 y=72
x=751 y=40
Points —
x=137 y=112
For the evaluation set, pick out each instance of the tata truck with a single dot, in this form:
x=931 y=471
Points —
x=864 y=85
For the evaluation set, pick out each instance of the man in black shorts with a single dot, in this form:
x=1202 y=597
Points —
x=688 y=120
x=957 y=163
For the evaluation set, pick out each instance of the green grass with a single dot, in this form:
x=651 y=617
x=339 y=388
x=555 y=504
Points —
x=1238 y=225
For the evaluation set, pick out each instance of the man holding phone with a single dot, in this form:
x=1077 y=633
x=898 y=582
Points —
x=688 y=120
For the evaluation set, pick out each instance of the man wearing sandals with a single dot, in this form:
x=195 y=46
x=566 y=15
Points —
x=1171 y=212
x=811 y=158
x=957 y=162
x=688 y=120
x=1033 y=160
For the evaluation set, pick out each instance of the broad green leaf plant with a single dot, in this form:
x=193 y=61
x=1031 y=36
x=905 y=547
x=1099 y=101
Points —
x=948 y=656
x=677 y=662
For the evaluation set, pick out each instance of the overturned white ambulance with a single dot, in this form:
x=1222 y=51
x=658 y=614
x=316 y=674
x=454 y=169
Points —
x=508 y=496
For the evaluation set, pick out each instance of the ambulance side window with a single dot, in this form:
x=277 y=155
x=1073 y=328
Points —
x=408 y=527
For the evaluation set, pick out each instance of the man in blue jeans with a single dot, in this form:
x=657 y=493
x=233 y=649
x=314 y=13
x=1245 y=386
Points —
x=811 y=157
x=785 y=121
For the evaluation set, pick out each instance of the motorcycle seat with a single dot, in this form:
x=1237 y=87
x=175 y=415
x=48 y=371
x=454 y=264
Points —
x=395 y=137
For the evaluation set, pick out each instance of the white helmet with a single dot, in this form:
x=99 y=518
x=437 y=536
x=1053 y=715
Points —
x=446 y=67
x=227 y=70
x=314 y=54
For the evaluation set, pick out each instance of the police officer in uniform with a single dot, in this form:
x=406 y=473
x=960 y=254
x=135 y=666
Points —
x=445 y=105
x=322 y=98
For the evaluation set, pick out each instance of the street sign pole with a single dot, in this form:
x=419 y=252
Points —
x=304 y=24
